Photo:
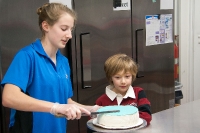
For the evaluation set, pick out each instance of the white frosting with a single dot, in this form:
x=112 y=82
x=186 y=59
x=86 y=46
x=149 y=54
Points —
x=128 y=116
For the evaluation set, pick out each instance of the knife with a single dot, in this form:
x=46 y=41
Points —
x=102 y=112
x=93 y=114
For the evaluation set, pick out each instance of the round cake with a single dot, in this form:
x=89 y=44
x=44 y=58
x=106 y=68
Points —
x=127 y=117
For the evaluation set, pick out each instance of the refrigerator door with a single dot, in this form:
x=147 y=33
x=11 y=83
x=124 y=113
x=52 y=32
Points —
x=156 y=62
x=100 y=32
x=18 y=28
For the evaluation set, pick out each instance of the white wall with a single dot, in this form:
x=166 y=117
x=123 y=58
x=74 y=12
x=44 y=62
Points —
x=196 y=38
x=187 y=27
x=185 y=49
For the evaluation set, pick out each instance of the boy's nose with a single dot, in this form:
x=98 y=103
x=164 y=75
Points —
x=123 y=80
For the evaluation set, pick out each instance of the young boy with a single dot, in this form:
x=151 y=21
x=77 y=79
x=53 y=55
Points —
x=121 y=71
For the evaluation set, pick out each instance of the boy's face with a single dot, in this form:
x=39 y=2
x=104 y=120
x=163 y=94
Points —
x=121 y=82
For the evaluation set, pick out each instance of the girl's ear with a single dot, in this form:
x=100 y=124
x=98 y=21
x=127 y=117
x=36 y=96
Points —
x=45 y=26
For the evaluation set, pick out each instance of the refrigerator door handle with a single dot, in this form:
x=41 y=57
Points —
x=136 y=51
x=85 y=60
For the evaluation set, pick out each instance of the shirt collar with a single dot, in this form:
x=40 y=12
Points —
x=37 y=45
x=112 y=95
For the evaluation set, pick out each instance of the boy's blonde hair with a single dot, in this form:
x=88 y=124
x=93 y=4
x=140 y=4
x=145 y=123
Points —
x=118 y=63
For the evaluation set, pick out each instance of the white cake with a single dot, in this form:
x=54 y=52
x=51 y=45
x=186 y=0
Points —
x=127 y=117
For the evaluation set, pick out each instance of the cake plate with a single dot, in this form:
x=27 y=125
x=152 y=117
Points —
x=92 y=126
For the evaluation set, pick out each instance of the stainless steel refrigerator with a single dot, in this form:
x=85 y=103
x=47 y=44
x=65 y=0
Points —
x=101 y=31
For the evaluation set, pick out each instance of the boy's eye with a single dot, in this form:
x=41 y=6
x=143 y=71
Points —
x=128 y=76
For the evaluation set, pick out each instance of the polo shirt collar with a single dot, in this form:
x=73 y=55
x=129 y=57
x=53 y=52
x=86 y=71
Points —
x=37 y=45
x=112 y=95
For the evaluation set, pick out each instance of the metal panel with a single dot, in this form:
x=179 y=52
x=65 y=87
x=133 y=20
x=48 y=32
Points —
x=110 y=33
x=18 y=28
x=156 y=63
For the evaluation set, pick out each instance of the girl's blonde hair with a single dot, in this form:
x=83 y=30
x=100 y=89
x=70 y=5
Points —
x=118 y=63
x=51 y=12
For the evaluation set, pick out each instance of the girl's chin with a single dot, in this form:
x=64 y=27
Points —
x=62 y=46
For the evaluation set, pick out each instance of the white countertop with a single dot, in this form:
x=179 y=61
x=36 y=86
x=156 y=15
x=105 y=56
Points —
x=181 y=119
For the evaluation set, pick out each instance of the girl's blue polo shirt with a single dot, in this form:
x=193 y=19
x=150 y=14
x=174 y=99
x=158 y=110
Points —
x=35 y=73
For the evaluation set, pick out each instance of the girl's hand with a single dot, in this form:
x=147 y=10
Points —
x=70 y=111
